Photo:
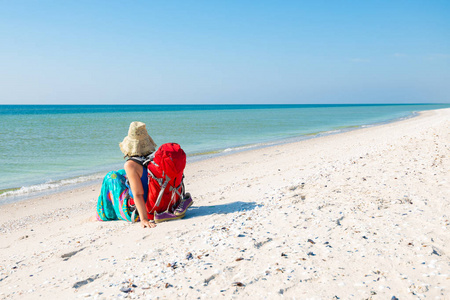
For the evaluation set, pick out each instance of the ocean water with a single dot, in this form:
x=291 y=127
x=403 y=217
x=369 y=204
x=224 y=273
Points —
x=49 y=147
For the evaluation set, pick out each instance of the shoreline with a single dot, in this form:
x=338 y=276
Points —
x=353 y=215
x=18 y=194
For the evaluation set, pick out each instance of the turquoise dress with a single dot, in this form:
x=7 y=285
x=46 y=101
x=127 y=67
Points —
x=112 y=203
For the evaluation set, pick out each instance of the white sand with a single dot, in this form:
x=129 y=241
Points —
x=355 y=215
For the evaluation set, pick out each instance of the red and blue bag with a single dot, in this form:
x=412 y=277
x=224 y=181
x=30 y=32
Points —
x=165 y=178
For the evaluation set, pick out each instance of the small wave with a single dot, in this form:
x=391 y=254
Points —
x=333 y=131
x=47 y=186
x=246 y=147
x=240 y=148
x=219 y=152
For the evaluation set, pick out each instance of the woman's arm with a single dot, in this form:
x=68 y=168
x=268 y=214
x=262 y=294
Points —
x=134 y=173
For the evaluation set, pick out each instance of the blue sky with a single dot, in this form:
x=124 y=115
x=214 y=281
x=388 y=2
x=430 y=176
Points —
x=196 y=52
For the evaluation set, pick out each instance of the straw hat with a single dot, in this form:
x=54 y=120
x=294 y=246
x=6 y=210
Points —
x=137 y=142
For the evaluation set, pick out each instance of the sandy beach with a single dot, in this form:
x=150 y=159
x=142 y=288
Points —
x=358 y=215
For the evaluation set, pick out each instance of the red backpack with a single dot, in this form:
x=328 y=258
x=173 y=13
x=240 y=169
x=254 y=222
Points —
x=165 y=178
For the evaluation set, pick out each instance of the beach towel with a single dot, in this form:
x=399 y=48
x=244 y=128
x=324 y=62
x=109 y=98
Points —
x=112 y=202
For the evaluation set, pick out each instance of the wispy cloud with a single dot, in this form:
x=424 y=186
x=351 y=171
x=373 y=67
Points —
x=398 y=55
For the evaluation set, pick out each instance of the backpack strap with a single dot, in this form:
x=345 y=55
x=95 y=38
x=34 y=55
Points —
x=137 y=159
x=133 y=216
x=149 y=158
x=175 y=189
x=143 y=160
x=163 y=184
x=161 y=192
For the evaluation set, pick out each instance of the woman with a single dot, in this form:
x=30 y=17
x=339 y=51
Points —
x=116 y=191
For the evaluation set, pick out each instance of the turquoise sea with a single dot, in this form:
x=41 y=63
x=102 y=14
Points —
x=51 y=147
